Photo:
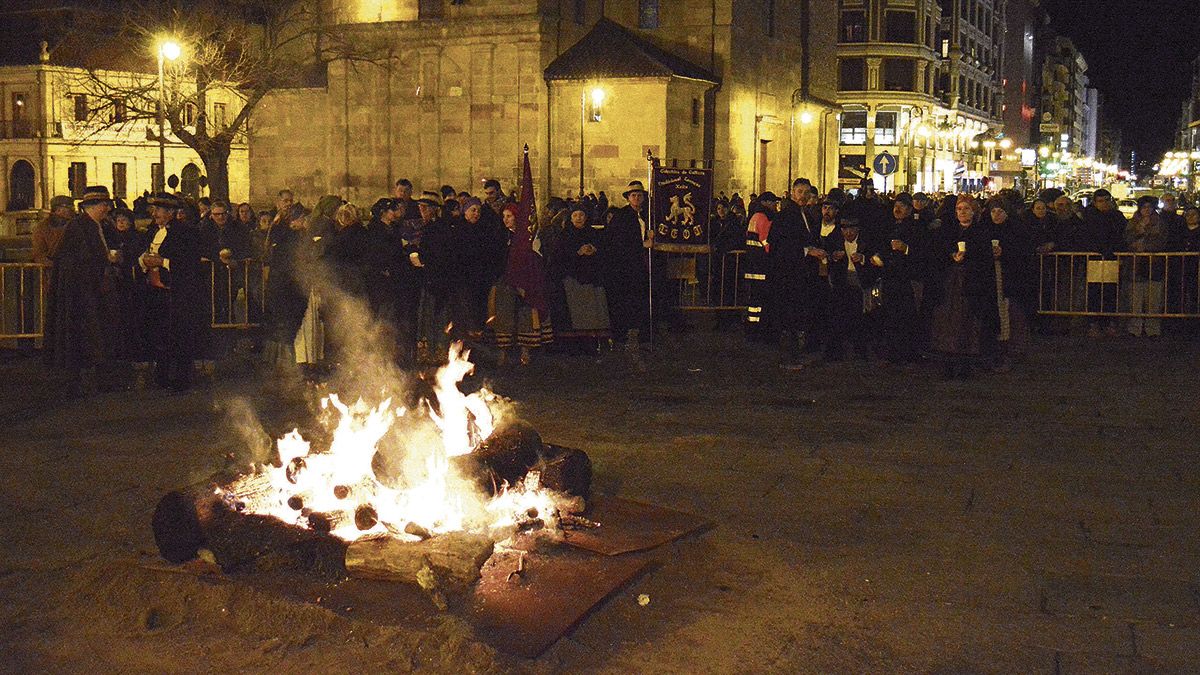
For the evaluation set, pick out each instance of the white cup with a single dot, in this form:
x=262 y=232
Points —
x=962 y=247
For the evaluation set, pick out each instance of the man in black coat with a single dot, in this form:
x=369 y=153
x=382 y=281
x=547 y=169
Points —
x=72 y=333
x=225 y=242
x=794 y=257
x=902 y=264
x=627 y=242
x=851 y=276
x=1103 y=232
x=171 y=270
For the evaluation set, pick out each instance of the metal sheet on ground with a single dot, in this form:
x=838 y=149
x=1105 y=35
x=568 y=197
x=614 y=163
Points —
x=627 y=526
x=525 y=615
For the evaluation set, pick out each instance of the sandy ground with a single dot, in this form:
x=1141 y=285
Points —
x=866 y=519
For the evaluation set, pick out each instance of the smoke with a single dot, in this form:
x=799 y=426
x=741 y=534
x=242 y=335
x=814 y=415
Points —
x=254 y=443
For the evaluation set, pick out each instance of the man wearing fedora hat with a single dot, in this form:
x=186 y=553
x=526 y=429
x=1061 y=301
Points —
x=171 y=269
x=629 y=236
x=72 y=332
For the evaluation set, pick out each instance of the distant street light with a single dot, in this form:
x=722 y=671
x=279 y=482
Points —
x=597 y=96
x=168 y=50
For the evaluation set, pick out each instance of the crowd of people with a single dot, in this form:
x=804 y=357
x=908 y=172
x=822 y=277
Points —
x=902 y=278
x=957 y=277
x=144 y=285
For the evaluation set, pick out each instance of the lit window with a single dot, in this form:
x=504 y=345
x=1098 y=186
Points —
x=854 y=128
x=885 y=128
x=81 y=107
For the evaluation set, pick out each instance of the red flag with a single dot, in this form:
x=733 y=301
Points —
x=524 y=269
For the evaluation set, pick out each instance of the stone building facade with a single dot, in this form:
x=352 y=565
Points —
x=1064 y=98
x=918 y=79
x=57 y=137
x=469 y=84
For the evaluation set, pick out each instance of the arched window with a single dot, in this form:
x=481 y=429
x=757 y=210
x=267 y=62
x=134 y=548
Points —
x=20 y=186
x=189 y=181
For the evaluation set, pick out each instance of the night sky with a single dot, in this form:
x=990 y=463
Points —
x=1139 y=55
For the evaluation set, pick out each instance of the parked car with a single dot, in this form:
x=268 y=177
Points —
x=1128 y=207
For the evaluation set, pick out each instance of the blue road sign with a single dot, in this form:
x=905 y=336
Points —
x=885 y=164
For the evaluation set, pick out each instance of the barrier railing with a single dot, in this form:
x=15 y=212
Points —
x=707 y=281
x=237 y=293
x=1130 y=285
x=22 y=300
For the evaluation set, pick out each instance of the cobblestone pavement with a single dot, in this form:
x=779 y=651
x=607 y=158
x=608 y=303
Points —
x=865 y=518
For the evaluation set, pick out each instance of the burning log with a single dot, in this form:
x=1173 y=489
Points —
x=566 y=470
x=365 y=517
x=455 y=558
x=186 y=521
x=328 y=522
x=505 y=457
x=515 y=449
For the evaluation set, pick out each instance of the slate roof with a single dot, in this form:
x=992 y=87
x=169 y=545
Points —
x=610 y=50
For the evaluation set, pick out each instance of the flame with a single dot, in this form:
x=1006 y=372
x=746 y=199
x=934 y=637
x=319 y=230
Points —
x=459 y=411
x=337 y=489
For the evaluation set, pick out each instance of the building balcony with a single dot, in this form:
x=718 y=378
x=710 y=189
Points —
x=17 y=129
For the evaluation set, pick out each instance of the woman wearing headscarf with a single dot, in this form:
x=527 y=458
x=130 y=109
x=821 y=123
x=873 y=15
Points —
x=288 y=291
x=122 y=301
x=521 y=315
x=321 y=225
x=576 y=258
x=966 y=322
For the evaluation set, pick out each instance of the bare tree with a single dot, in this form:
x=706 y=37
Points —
x=236 y=51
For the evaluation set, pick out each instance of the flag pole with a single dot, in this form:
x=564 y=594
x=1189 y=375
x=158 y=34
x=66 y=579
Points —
x=650 y=225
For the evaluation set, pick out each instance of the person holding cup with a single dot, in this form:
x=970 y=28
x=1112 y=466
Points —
x=901 y=262
x=123 y=301
x=966 y=321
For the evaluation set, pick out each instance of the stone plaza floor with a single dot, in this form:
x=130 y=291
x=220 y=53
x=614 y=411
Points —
x=865 y=519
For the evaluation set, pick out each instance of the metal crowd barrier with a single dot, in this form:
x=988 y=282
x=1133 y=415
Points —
x=22 y=300
x=237 y=293
x=237 y=296
x=1129 y=285
x=707 y=281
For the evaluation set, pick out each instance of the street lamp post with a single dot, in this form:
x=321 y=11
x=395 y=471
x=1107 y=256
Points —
x=167 y=50
x=597 y=100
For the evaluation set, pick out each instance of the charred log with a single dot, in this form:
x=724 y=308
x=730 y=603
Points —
x=515 y=449
x=566 y=470
x=456 y=558
x=505 y=457
x=186 y=521
x=365 y=517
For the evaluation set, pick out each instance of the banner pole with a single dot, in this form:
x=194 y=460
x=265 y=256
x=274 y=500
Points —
x=650 y=225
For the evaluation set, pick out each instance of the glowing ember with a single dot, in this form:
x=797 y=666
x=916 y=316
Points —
x=337 y=490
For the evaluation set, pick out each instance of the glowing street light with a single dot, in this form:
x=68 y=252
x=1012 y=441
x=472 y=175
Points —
x=168 y=50
x=597 y=97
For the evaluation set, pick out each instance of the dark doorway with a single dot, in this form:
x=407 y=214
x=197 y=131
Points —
x=189 y=181
x=20 y=186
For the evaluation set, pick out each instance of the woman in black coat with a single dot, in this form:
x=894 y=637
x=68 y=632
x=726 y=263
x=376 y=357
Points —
x=123 y=297
x=1019 y=241
x=576 y=260
x=966 y=323
x=287 y=287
